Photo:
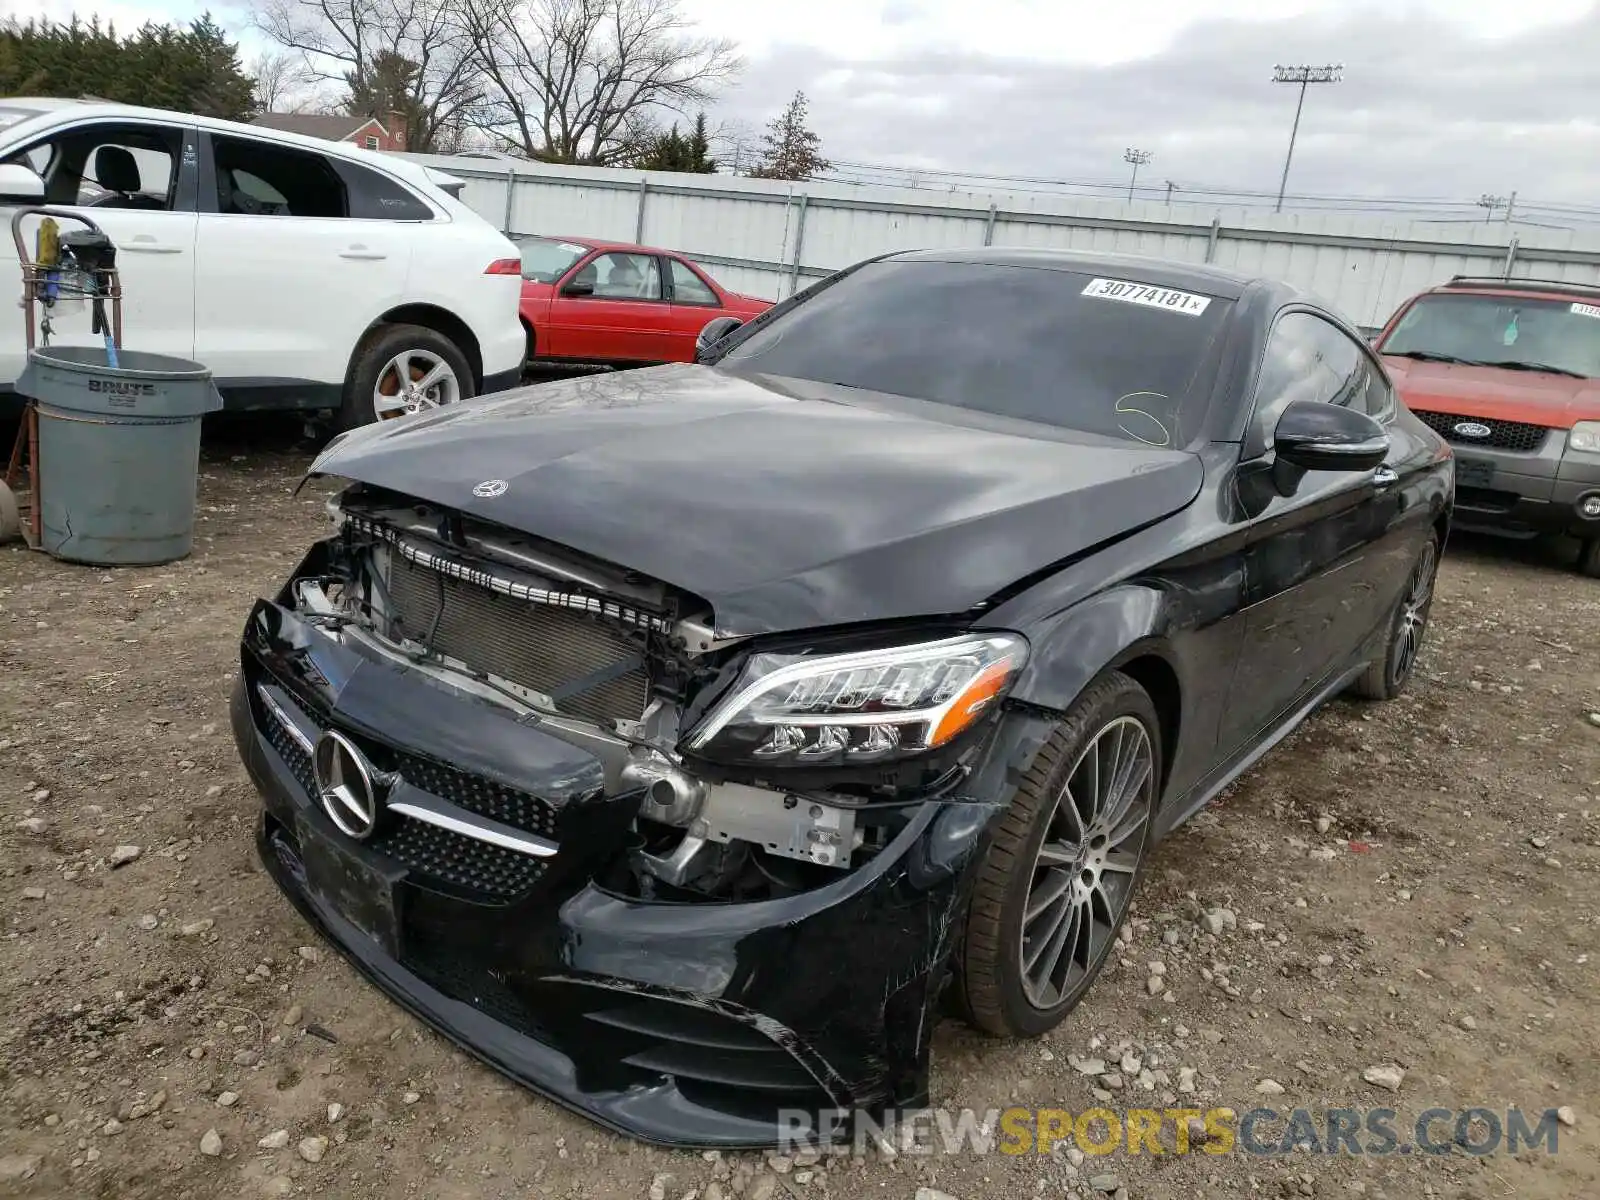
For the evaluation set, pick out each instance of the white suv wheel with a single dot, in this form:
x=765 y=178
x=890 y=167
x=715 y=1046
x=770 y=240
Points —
x=411 y=381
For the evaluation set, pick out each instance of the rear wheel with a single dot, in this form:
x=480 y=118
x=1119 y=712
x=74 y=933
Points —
x=1387 y=678
x=1060 y=872
x=404 y=369
x=1589 y=558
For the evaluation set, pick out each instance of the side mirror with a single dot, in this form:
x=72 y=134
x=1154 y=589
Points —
x=713 y=332
x=20 y=185
x=1316 y=436
x=575 y=288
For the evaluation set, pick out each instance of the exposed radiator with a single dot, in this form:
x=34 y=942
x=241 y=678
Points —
x=587 y=664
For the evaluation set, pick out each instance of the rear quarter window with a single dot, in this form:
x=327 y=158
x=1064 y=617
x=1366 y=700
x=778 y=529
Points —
x=375 y=197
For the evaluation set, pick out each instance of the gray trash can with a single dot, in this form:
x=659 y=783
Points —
x=119 y=452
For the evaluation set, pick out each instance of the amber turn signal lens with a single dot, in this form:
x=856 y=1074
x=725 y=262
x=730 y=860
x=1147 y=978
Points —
x=973 y=699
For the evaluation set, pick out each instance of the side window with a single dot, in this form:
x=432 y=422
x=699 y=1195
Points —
x=109 y=166
x=689 y=288
x=1308 y=359
x=376 y=197
x=621 y=276
x=262 y=180
x=1380 y=403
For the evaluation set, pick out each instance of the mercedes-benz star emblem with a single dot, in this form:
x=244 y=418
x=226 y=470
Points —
x=1472 y=429
x=490 y=487
x=346 y=786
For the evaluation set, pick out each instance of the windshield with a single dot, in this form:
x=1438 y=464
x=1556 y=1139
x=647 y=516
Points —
x=1083 y=352
x=1501 y=331
x=545 y=261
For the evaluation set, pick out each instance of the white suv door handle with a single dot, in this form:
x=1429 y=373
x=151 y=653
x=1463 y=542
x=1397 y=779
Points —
x=1385 y=477
x=362 y=254
x=145 y=244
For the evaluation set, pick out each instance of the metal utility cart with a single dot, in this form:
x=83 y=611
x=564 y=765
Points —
x=46 y=281
x=106 y=462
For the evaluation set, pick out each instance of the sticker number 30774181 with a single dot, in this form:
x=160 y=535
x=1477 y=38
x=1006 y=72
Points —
x=1151 y=297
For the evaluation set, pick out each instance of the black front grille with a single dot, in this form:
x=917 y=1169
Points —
x=461 y=865
x=589 y=665
x=291 y=751
x=1503 y=435
x=479 y=795
x=465 y=866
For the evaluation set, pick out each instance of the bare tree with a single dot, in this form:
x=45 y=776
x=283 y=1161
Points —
x=360 y=43
x=586 y=81
x=280 y=81
x=737 y=143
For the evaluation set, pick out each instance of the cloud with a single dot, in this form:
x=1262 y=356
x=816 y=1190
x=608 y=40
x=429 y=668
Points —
x=1427 y=108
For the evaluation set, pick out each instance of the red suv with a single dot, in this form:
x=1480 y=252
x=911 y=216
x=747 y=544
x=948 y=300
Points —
x=1508 y=372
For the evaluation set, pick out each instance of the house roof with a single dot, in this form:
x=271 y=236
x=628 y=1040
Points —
x=334 y=128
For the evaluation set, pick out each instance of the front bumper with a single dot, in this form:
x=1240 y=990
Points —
x=689 y=1024
x=1526 y=494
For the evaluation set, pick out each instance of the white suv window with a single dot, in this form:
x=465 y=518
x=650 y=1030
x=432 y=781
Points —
x=260 y=179
x=108 y=165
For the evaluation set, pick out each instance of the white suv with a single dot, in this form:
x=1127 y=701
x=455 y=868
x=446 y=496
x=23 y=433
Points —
x=303 y=273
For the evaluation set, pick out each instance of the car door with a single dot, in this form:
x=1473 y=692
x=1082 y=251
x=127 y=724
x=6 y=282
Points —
x=695 y=303
x=1324 y=565
x=136 y=180
x=296 y=259
x=611 y=307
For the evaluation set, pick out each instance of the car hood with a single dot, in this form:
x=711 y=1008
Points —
x=785 y=505
x=1554 y=401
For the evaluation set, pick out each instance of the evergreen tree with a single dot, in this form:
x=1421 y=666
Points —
x=789 y=149
x=390 y=85
x=194 y=69
x=674 y=151
x=700 y=159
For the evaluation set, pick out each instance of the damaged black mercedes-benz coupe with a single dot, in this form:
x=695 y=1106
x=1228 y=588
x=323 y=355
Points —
x=685 y=742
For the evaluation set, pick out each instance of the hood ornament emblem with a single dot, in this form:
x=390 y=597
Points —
x=490 y=488
x=1471 y=429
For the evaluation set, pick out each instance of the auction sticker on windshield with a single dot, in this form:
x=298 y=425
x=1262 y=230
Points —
x=1587 y=310
x=1152 y=297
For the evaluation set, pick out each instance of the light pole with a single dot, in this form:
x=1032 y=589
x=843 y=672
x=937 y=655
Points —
x=1489 y=204
x=1138 y=158
x=1303 y=75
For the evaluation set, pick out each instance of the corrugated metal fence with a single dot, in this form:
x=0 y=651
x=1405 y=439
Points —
x=769 y=239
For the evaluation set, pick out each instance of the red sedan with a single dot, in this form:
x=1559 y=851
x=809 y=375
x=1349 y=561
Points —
x=612 y=302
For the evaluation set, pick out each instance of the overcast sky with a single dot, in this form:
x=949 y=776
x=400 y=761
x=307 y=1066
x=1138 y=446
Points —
x=1441 y=98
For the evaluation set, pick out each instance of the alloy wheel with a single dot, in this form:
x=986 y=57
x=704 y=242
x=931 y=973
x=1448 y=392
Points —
x=1414 y=612
x=413 y=381
x=1084 y=872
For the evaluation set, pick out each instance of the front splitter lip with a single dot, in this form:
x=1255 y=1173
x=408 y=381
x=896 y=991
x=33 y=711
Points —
x=645 y=1114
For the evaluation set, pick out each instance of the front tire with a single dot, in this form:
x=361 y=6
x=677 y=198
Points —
x=1062 y=865
x=1589 y=558
x=403 y=369
x=1387 y=678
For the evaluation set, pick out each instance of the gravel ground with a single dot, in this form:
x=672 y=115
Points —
x=1409 y=887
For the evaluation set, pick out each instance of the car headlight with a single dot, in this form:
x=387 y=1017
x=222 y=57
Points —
x=1585 y=435
x=813 y=710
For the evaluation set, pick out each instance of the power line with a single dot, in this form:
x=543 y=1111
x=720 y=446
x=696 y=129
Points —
x=1196 y=189
x=858 y=172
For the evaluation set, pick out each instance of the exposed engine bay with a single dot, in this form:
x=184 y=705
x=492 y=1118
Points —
x=614 y=663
